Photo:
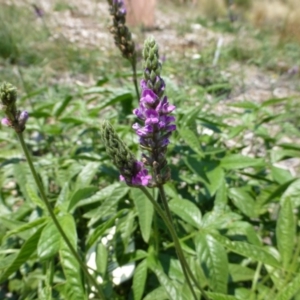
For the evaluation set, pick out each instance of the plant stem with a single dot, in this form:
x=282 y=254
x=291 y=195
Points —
x=176 y=240
x=134 y=78
x=54 y=219
x=169 y=224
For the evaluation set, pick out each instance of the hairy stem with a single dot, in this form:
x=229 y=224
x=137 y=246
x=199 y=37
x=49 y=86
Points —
x=93 y=281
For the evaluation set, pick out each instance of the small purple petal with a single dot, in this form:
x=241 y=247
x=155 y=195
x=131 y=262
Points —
x=164 y=142
x=142 y=178
x=171 y=128
x=143 y=84
x=5 y=122
x=149 y=97
x=152 y=116
x=139 y=113
x=136 y=126
x=145 y=131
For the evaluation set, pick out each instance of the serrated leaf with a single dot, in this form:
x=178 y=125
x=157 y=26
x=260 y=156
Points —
x=213 y=259
x=286 y=231
x=251 y=251
x=139 y=280
x=238 y=161
x=49 y=241
x=290 y=290
x=187 y=211
x=86 y=175
x=70 y=265
x=26 y=251
x=145 y=212
x=191 y=139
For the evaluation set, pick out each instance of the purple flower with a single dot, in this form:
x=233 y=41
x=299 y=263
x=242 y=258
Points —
x=154 y=114
x=6 y=122
x=140 y=177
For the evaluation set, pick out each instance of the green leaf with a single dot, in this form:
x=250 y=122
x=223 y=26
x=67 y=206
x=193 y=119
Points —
x=145 y=212
x=109 y=206
x=70 y=265
x=217 y=296
x=286 y=231
x=164 y=280
x=240 y=273
x=26 y=251
x=213 y=259
x=238 y=161
x=81 y=194
x=280 y=175
x=292 y=192
x=32 y=194
x=60 y=106
x=187 y=211
x=273 y=101
x=240 y=228
x=139 y=280
x=86 y=175
x=100 y=230
x=25 y=227
x=101 y=259
x=243 y=201
x=191 y=139
x=280 y=154
x=256 y=253
x=290 y=290
x=159 y=293
x=49 y=241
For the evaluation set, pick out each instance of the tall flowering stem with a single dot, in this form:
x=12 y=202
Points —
x=122 y=36
x=154 y=130
x=16 y=119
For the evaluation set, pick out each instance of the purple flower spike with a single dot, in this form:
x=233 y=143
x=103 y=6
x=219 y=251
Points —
x=154 y=111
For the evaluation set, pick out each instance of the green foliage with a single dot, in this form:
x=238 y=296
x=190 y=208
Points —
x=234 y=201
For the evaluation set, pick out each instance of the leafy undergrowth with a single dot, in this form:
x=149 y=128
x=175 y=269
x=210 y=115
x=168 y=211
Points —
x=234 y=193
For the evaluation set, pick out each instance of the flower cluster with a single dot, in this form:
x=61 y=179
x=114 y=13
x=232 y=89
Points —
x=132 y=171
x=120 y=31
x=14 y=118
x=154 y=111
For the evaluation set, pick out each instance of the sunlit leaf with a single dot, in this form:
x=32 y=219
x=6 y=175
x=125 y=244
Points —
x=139 y=280
x=145 y=212
x=187 y=211
x=286 y=231
x=213 y=259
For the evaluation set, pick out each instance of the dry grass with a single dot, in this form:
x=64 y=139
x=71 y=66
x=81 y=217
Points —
x=281 y=16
